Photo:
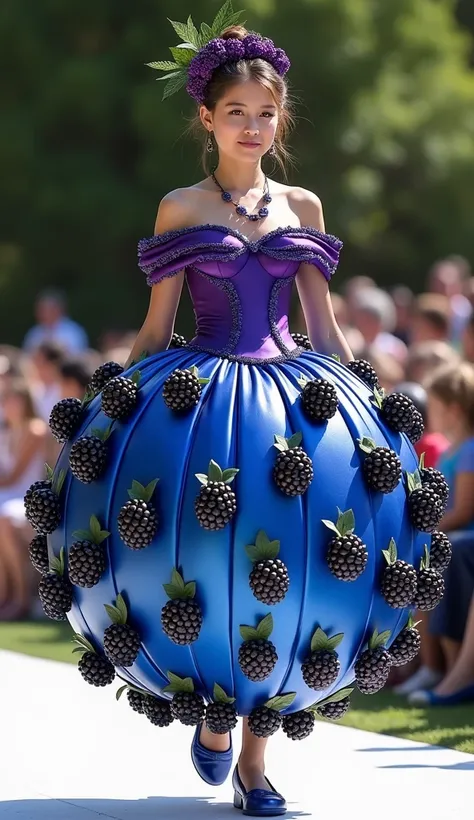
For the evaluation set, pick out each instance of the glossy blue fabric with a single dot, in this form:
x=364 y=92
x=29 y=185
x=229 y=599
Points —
x=242 y=407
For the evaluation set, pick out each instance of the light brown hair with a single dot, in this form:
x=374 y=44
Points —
x=454 y=384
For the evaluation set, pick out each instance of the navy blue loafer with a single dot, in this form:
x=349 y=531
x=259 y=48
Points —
x=257 y=802
x=212 y=767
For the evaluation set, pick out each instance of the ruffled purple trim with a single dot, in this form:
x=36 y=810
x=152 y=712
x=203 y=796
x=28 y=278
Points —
x=289 y=230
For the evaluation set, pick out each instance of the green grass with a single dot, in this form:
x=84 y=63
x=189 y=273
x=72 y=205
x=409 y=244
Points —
x=383 y=713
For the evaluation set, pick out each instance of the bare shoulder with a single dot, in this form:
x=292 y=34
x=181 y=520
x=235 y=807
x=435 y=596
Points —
x=178 y=208
x=307 y=206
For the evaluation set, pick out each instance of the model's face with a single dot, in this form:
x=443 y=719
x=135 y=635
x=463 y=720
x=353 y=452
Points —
x=244 y=121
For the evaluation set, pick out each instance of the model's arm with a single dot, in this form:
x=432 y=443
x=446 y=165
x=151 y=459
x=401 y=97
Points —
x=157 y=329
x=324 y=332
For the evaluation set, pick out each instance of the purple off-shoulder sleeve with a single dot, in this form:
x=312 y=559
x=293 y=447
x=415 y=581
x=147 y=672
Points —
x=166 y=254
x=306 y=245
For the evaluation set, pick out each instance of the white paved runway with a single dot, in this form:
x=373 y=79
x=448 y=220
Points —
x=69 y=752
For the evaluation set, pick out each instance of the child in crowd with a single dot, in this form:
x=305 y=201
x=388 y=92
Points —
x=432 y=443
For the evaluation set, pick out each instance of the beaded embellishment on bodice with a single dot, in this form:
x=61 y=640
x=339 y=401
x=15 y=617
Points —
x=240 y=289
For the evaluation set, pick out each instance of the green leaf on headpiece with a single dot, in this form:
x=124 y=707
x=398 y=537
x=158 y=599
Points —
x=183 y=56
x=175 y=83
x=187 y=31
x=163 y=65
x=224 y=18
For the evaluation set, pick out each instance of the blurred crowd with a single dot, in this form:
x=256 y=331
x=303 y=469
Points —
x=419 y=344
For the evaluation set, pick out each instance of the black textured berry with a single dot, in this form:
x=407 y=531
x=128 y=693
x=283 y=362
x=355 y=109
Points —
x=215 y=505
x=417 y=427
x=182 y=390
x=430 y=589
x=188 y=708
x=405 y=647
x=181 y=621
x=135 y=700
x=137 y=523
x=299 y=725
x=86 y=563
x=293 y=471
x=55 y=593
x=436 y=480
x=221 y=718
x=398 y=585
x=319 y=399
x=440 y=551
x=264 y=722
x=45 y=484
x=382 y=469
x=121 y=644
x=65 y=418
x=157 y=711
x=88 y=458
x=96 y=670
x=347 y=557
x=302 y=340
x=38 y=552
x=177 y=341
x=372 y=670
x=364 y=371
x=269 y=581
x=119 y=397
x=334 y=711
x=43 y=511
x=104 y=374
x=397 y=410
x=257 y=659
x=321 y=669
x=426 y=508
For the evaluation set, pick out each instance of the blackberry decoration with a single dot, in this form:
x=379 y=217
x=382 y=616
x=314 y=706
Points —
x=365 y=371
x=221 y=715
x=257 y=655
x=45 y=484
x=335 y=706
x=95 y=669
x=407 y=645
x=38 y=552
x=435 y=479
x=187 y=706
x=135 y=700
x=425 y=505
x=396 y=408
x=417 y=428
x=181 y=617
x=302 y=340
x=265 y=720
x=299 y=725
x=430 y=585
x=156 y=710
x=440 y=551
x=382 y=467
x=86 y=560
x=177 y=341
x=120 y=396
x=321 y=667
x=347 y=554
x=398 y=585
x=183 y=389
x=373 y=667
x=216 y=504
x=137 y=520
x=65 y=418
x=293 y=469
x=88 y=455
x=55 y=591
x=121 y=641
x=42 y=509
x=104 y=374
x=319 y=398
x=269 y=579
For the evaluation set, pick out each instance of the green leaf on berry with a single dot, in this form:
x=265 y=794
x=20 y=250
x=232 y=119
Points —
x=202 y=477
x=295 y=440
x=178 y=684
x=190 y=589
x=335 y=698
x=82 y=535
x=421 y=463
x=263 y=549
x=336 y=356
x=330 y=525
x=303 y=381
x=214 y=471
x=334 y=642
x=425 y=561
x=265 y=627
x=58 y=482
x=136 y=377
x=83 y=645
x=220 y=696
x=345 y=521
x=49 y=472
x=319 y=640
x=120 y=691
x=366 y=444
x=390 y=555
x=229 y=474
x=98 y=534
x=248 y=633
x=281 y=443
x=281 y=702
x=378 y=639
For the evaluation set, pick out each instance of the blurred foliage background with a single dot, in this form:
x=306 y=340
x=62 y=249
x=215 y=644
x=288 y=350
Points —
x=385 y=137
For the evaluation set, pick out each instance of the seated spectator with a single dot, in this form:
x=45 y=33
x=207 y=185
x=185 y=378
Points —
x=22 y=464
x=468 y=340
x=432 y=444
x=425 y=357
x=54 y=325
x=430 y=321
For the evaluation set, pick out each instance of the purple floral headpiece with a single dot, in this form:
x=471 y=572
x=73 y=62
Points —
x=202 y=52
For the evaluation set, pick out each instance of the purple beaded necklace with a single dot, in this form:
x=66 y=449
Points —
x=241 y=210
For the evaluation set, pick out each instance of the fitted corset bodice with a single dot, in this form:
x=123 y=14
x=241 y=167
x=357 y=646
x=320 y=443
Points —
x=240 y=289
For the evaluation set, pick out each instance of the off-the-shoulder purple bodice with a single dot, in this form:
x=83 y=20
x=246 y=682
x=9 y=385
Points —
x=240 y=289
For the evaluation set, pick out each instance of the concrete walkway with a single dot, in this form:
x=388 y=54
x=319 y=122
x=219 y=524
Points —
x=70 y=752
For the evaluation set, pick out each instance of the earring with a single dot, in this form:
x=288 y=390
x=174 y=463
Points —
x=209 y=144
x=272 y=151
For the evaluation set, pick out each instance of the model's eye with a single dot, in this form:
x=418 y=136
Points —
x=267 y=114
x=235 y=111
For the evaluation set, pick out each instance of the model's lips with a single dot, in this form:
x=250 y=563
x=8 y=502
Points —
x=251 y=144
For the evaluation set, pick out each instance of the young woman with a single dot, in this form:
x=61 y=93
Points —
x=238 y=454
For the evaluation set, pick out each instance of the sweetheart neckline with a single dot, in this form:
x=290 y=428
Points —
x=289 y=229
